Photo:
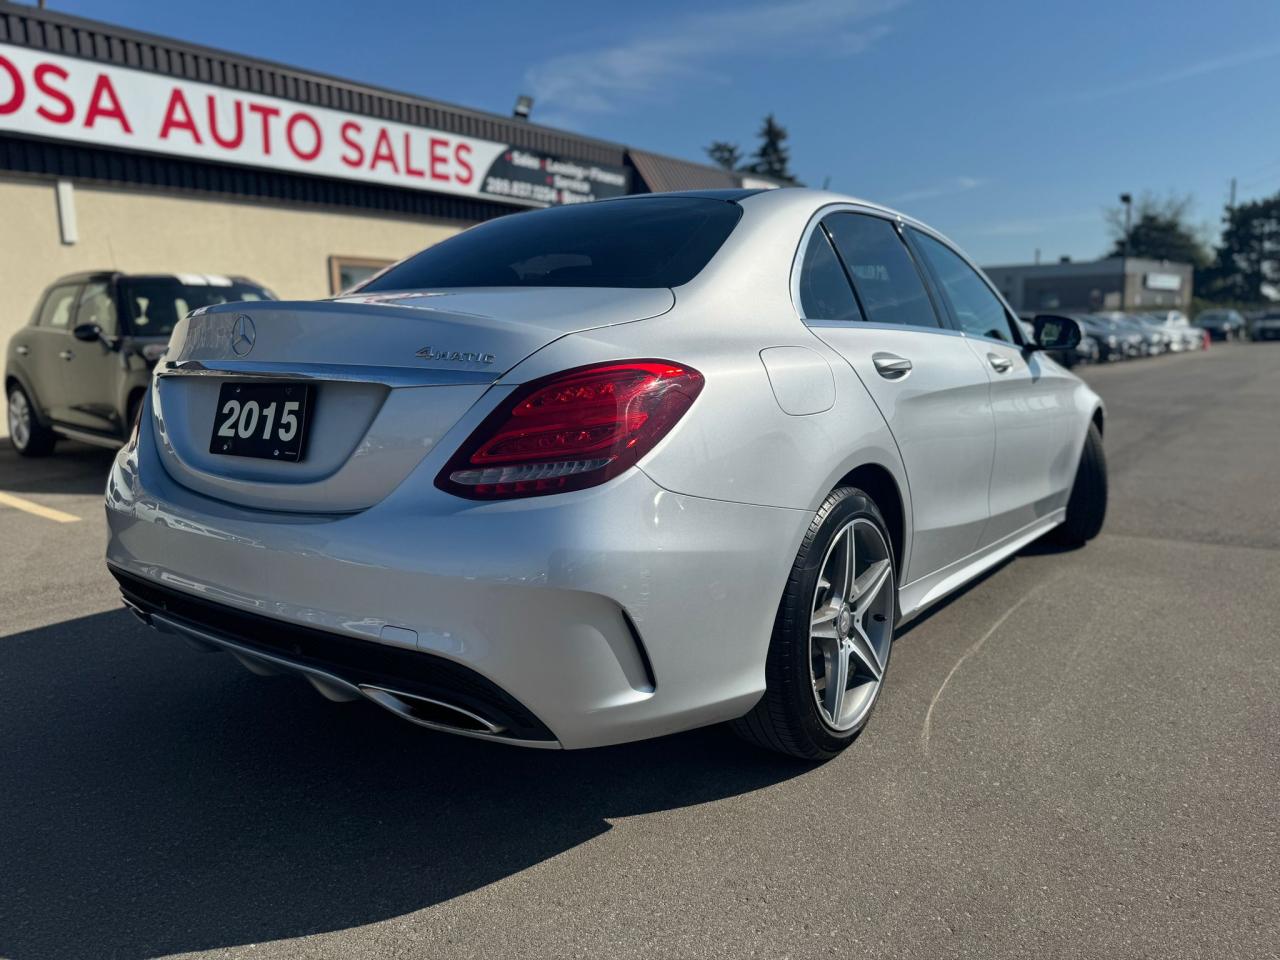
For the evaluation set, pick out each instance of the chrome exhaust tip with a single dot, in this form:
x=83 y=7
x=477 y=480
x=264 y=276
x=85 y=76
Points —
x=430 y=713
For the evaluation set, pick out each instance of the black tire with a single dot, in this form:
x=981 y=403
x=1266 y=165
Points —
x=1087 y=507
x=787 y=719
x=40 y=439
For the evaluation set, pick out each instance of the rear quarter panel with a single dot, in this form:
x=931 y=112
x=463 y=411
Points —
x=737 y=443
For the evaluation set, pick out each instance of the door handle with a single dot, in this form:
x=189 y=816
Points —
x=999 y=364
x=22 y=349
x=66 y=354
x=891 y=366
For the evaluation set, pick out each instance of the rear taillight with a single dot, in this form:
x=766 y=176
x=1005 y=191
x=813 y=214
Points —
x=571 y=430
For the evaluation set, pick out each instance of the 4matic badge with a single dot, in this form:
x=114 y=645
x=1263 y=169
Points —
x=454 y=356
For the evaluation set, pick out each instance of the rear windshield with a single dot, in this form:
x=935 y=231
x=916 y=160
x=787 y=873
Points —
x=154 y=305
x=650 y=242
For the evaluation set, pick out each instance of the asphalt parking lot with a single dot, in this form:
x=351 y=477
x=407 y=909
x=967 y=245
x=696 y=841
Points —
x=1079 y=756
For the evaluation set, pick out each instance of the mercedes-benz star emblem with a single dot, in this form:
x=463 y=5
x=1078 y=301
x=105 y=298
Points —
x=242 y=336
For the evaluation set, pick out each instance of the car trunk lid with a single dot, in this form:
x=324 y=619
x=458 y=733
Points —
x=390 y=375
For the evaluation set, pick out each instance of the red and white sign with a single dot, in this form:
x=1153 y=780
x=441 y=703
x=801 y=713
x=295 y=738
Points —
x=48 y=95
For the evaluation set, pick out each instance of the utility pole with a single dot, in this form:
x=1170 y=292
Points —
x=1127 y=200
x=1231 y=204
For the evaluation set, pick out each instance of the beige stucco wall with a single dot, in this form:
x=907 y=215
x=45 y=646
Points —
x=285 y=248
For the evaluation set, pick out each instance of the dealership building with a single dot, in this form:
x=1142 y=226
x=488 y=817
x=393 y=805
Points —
x=1117 y=283
x=132 y=152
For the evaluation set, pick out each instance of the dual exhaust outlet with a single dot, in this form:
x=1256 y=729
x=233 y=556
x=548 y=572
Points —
x=423 y=711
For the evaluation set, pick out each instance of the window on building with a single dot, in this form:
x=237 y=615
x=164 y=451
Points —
x=346 y=272
x=825 y=293
x=977 y=309
x=58 y=306
x=887 y=279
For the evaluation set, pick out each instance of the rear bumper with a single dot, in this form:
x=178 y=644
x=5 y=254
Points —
x=424 y=689
x=584 y=619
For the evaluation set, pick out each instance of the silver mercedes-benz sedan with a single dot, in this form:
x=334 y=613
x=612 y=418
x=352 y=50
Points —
x=608 y=471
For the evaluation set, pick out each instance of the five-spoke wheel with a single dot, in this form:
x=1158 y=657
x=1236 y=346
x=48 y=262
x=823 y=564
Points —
x=832 y=636
x=850 y=630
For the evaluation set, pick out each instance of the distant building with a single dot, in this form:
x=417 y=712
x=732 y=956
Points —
x=1112 y=284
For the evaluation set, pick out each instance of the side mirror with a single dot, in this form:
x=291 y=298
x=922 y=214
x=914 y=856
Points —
x=87 y=332
x=1054 y=333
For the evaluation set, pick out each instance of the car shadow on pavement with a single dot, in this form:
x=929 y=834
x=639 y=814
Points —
x=161 y=800
x=73 y=468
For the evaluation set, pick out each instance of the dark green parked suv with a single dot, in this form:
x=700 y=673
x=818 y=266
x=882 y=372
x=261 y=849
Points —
x=81 y=366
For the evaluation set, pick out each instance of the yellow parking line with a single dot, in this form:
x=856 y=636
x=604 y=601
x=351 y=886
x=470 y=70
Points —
x=47 y=512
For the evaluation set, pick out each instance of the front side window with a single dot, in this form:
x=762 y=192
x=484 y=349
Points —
x=156 y=304
x=643 y=243
x=97 y=305
x=58 y=307
x=887 y=279
x=825 y=293
x=978 y=310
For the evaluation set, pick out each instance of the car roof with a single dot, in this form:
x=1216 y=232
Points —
x=86 y=275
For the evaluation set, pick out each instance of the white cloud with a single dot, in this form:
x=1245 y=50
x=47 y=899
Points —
x=946 y=188
x=688 y=49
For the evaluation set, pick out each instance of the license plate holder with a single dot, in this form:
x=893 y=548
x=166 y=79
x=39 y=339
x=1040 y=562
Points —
x=264 y=421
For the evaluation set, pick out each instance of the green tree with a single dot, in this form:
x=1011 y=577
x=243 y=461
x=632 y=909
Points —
x=773 y=158
x=1247 y=256
x=1160 y=230
x=725 y=154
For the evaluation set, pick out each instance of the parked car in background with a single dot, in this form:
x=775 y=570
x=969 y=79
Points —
x=1182 y=336
x=1222 y=324
x=1267 y=327
x=1157 y=339
x=80 y=367
x=1136 y=338
x=1105 y=334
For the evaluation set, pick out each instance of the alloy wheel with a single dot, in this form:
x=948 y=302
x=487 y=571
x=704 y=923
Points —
x=19 y=419
x=851 y=626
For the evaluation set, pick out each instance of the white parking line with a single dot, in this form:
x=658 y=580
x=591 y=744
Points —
x=27 y=506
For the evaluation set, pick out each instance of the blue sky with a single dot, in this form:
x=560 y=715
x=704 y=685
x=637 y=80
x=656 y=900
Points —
x=1009 y=125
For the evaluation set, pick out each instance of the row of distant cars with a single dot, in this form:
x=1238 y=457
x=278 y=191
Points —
x=1109 y=337
x=1264 y=325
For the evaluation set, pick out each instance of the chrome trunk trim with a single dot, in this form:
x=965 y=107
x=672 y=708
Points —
x=348 y=373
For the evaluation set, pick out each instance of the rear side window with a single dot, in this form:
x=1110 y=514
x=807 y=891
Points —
x=887 y=279
x=650 y=242
x=58 y=306
x=825 y=293
x=98 y=305
x=978 y=311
